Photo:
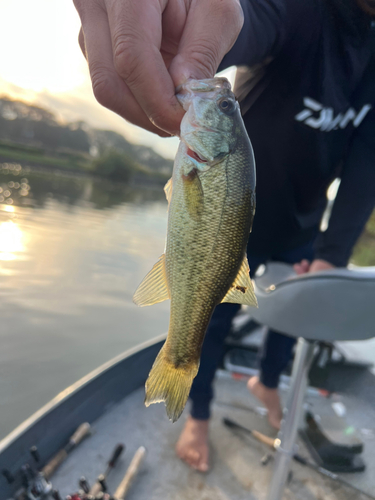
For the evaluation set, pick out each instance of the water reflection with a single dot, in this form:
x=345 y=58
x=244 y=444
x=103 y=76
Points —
x=10 y=240
x=72 y=251
x=38 y=188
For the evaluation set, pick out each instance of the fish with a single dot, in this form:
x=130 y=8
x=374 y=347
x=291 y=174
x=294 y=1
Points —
x=211 y=206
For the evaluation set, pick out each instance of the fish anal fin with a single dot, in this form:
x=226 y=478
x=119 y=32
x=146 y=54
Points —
x=193 y=194
x=242 y=289
x=168 y=190
x=154 y=287
x=169 y=384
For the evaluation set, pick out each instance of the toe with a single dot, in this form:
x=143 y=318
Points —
x=191 y=457
x=202 y=465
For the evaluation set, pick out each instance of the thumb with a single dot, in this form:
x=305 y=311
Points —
x=212 y=27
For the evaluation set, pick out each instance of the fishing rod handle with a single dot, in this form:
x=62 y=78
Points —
x=95 y=489
x=82 y=431
x=130 y=474
x=54 y=463
x=116 y=453
x=257 y=435
x=264 y=439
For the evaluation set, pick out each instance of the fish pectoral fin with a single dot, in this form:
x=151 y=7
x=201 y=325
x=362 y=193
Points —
x=193 y=194
x=168 y=190
x=242 y=290
x=154 y=287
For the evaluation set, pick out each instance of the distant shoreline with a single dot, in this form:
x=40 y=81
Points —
x=76 y=164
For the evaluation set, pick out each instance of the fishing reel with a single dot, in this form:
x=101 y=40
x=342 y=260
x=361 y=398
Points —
x=35 y=485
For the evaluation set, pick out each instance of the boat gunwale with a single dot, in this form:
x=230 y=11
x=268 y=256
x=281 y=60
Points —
x=22 y=432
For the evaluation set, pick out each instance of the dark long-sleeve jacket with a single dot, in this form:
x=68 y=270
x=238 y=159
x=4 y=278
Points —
x=309 y=108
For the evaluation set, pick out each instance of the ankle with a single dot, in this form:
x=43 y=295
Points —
x=197 y=423
x=257 y=384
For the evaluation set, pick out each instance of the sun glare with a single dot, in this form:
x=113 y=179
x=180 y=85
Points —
x=42 y=50
x=10 y=240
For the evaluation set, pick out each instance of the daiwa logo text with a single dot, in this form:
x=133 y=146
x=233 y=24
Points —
x=325 y=120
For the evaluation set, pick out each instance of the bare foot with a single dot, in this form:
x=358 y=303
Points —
x=192 y=446
x=270 y=399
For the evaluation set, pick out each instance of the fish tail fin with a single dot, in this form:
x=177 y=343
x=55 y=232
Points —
x=170 y=384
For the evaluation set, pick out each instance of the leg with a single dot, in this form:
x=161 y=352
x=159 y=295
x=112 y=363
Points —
x=275 y=355
x=201 y=392
x=192 y=446
x=276 y=351
x=277 y=348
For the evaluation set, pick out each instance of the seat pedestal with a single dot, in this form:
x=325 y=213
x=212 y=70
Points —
x=292 y=417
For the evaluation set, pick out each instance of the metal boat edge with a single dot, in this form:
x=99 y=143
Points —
x=84 y=401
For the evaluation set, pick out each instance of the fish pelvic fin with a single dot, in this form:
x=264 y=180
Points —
x=154 y=287
x=170 y=384
x=242 y=289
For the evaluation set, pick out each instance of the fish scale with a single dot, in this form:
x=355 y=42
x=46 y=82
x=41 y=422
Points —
x=211 y=209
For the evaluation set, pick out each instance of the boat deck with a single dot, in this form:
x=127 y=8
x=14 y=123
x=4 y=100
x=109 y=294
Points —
x=236 y=472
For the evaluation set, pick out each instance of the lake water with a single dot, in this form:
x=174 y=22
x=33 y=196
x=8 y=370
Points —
x=72 y=252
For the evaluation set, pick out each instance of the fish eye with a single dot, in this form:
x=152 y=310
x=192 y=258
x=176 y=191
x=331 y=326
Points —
x=226 y=105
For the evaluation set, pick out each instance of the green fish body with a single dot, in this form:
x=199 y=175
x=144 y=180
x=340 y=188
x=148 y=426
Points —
x=211 y=208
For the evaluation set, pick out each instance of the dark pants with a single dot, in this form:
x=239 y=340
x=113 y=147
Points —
x=276 y=351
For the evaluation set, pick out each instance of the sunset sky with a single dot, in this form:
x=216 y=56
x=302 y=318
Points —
x=41 y=62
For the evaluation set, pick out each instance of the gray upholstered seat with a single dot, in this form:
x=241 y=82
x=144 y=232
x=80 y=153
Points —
x=330 y=305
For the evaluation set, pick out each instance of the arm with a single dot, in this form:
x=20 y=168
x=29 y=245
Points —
x=355 y=199
x=267 y=26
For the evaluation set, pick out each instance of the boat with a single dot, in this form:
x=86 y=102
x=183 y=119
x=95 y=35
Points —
x=107 y=408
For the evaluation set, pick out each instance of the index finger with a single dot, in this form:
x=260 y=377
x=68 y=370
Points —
x=136 y=32
x=210 y=31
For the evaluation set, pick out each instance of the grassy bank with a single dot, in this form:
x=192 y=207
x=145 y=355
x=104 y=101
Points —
x=37 y=156
x=113 y=165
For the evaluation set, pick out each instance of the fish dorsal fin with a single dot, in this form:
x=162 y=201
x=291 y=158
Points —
x=153 y=288
x=168 y=190
x=193 y=194
x=242 y=290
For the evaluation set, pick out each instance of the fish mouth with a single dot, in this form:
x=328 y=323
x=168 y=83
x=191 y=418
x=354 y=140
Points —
x=199 y=158
x=204 y=85
x=195 y=156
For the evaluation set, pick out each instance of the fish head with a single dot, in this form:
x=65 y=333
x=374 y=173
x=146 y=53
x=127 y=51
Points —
x=212 y=122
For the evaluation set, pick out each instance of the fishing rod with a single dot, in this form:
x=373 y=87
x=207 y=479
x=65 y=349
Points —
x=131 y=472
x=273 y=443
x=100 y=484
x=82 y=431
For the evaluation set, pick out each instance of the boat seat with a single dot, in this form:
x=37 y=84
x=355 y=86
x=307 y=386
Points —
x=330 y=305
x=337 y=304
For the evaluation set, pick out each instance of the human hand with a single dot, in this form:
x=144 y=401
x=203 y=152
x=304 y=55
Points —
x=139 y=51
x=316 y=265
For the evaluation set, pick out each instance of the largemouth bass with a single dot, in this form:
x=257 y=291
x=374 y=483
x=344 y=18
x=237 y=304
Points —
x=211 y=207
